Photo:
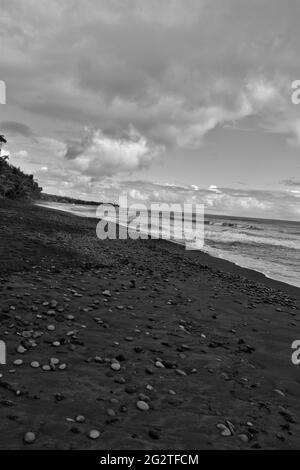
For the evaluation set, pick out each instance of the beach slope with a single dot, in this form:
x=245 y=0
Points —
x=152 y=346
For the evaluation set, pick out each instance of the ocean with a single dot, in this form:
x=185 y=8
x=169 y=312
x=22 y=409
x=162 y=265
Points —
x=271 y=247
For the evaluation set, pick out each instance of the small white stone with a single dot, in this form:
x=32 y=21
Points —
x=50 y=327
x=35 y=364
x=21 y=349
x=94 y=434
x=18 y=362
x=62 y=366
x=29 y=437
x=54 y=361
x=80 y=419
x=46 y=367
x=115 y=366
x=56 y=343
x=159 y=365
x=142 y=405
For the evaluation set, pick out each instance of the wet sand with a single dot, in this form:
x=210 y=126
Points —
x=150 y=345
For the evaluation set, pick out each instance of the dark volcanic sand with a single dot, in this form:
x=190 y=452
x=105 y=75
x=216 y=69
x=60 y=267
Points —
x=223 y=334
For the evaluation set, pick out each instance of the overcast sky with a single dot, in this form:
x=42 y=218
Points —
x=161 y=100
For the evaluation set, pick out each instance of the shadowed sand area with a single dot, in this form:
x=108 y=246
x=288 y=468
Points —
x=204 y=343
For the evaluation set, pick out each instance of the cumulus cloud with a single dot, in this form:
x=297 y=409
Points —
x=142 y=63
x=97 y=154
x=179 y=71
x=251 y=203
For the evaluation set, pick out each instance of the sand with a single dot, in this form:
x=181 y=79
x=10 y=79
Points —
x=205 y=346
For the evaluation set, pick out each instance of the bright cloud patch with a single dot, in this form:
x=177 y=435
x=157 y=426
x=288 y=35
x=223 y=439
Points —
x=99 y=155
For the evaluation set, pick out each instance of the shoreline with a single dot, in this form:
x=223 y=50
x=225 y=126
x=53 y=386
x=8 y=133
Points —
x=266 y=276
x=204 y=343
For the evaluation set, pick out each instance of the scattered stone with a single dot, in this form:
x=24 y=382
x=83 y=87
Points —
x=143 y=397
x=159 y=365
x=54 y=361
x=106 y=293
x=115 y=366
x=21 y=349
x=18 y=362
x=142 y=405
x=80 y=419
x=94 y=434
x=29 y=437
x=225 y=431
x=244 y=438
x=35 y=364
x=98 y=359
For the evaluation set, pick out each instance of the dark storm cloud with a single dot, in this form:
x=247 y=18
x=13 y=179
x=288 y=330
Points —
x=16 y=128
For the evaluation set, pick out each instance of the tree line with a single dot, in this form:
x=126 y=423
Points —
x=14 y=183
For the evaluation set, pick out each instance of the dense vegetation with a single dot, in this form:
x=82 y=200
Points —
x=70 y=200
x=14 y=184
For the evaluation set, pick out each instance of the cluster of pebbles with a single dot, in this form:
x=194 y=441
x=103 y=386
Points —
x=141 y=345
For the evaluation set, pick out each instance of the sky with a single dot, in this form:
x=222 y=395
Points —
x=159 y=100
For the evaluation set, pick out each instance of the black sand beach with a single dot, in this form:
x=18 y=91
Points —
x=152 y=346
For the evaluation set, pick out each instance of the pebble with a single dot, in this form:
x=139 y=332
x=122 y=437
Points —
x=62 y=366
x=35 y=364
x=106 y=293
x=46 y=367
x=143 y=397
x=142 y=405
x=29 y=437
x=50 y=327
x=244 y=438
x=56 y=343
x=21 y=349
x=115 y=366
x=159 y=365
x=80 y=419
x=54 y=361
x=225 y=431
x=18 y=362
x=98 y=359
x=94 y=434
